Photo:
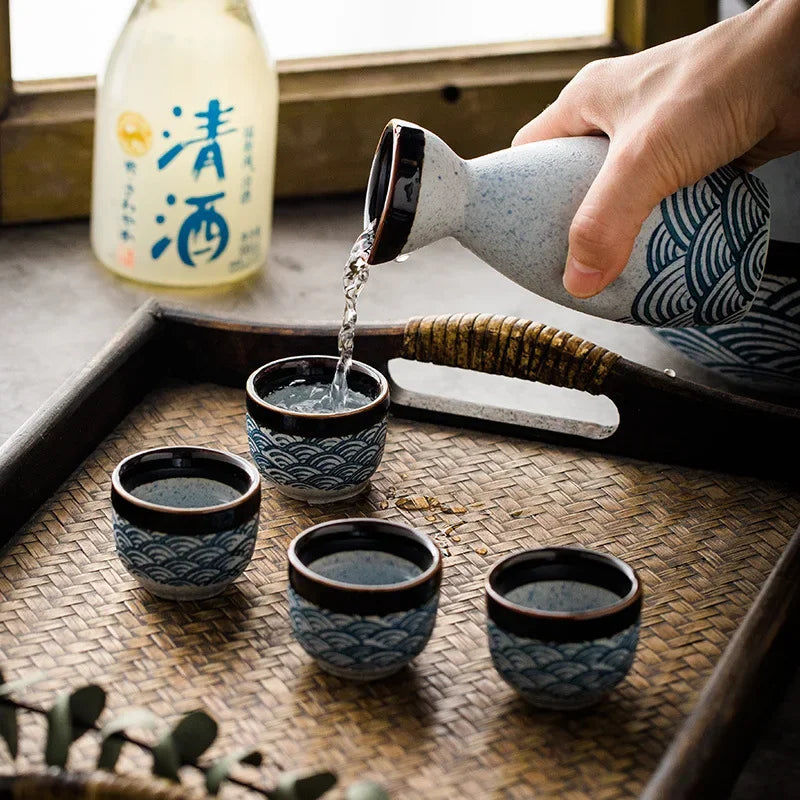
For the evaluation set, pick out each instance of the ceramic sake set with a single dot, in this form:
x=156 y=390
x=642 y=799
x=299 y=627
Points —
x=697 y=273
x=363 y=593
x=319 y=458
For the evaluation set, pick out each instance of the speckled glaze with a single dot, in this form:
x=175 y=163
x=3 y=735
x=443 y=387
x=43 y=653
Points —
x=698 y=260
x=562 y=675
x=319 y=458
x=560 y=639
x=184 y=567
x=317 y=469
x=185 y=519
x=363 y=596
x=361 y=647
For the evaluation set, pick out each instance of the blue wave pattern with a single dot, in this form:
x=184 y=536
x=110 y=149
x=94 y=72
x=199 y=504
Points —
x=763 y=347
x=361 y=647
x=330 y=464
x=185 y=561
x=562 y=675
x=707 y=255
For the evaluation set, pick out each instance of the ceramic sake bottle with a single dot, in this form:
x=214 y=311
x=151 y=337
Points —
x=184 y=146
x=698 y=260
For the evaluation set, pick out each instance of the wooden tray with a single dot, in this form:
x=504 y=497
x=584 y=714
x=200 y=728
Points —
x=708 y=671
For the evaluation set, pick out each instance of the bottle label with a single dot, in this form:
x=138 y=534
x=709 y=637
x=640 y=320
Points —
x=191 y=197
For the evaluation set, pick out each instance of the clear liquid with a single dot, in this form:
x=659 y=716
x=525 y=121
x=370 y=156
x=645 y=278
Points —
x=315 y=398
x=337 y=396
x=356 y=272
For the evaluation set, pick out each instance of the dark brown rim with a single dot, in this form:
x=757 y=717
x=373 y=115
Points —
x=590 y=566
x=361 y=533
x=164 y=462
x=394 y=223
x=302 y=423
x=365 y=369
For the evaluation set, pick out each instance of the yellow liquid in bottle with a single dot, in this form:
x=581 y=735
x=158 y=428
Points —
x=184 y=153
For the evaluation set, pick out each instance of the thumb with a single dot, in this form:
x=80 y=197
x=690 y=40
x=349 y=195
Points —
x=608 y=221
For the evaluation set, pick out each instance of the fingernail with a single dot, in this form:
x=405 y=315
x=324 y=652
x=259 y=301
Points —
x=580 y=280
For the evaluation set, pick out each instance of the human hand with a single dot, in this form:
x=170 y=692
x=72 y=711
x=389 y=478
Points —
x=673 y=114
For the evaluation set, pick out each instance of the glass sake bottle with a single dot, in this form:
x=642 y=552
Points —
x=184 y=150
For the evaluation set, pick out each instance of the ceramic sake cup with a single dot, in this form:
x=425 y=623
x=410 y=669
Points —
x=363 y=595
x=563 y=624
x=185 y=519
x=319 y=458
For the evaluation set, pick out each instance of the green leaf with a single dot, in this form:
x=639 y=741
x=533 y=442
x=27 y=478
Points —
x=111 y=742
x=70 y=717
x=8 y=711
x=194 y=734
x=221 y=768
x=8 y=721
x=366 y=790
x=303 y=786
x=14 y=686
x=165 y=759
x=8 y=727
x=184 y=744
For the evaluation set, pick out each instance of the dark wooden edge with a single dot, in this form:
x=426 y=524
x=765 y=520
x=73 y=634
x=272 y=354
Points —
x=206 y=348
x=661 y=418
x=709 y=751
x=54 y=441
x=680 y=422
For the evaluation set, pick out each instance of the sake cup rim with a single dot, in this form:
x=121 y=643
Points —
x=359 y=366
x=406 y=531
x=565 y=556
x=251 y=494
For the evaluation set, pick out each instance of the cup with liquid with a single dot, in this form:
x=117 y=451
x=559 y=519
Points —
x=307 y=444
x=563 y=624
x=185 y=519
x=363 y=595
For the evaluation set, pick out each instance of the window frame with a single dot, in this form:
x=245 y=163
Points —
x=331 y=109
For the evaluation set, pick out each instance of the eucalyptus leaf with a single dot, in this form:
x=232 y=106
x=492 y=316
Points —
x=221 y=768
x=70 y=717
x=8 y=727
x=111 y=741
x=184 y=744
x=366 y=790
x=193 y=735
x=303 y=786
x=14 y=686
x=166 y=762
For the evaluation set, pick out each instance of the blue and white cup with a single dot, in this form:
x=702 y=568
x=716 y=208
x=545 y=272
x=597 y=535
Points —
x=363 y=595
x=563 y=624
x=185 y=519
x=316 y=457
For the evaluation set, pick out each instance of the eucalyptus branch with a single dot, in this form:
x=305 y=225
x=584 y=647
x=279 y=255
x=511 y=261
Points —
x=144 y=746
x=77 y=712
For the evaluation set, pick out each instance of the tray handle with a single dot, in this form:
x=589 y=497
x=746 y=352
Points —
x=507 y=345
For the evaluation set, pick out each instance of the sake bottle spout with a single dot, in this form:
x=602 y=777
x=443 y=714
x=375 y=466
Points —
x=416 y=193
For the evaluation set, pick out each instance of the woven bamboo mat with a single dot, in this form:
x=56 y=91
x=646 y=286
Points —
x=448 y=727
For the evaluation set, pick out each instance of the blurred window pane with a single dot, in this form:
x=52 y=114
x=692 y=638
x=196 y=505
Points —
x=70 y=38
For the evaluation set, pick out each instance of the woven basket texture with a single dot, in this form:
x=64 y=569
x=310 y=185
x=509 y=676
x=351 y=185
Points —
x=447 y=727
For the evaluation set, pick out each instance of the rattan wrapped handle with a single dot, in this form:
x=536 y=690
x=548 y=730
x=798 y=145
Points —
x=509 y=346
x=97 y=786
